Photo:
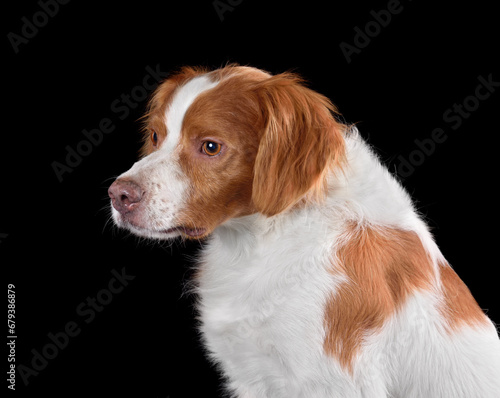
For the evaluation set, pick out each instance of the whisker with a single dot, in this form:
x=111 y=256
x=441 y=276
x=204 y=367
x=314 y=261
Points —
x=109 y=178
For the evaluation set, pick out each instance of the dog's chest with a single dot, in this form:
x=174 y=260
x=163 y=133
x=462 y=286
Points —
x=262 y=309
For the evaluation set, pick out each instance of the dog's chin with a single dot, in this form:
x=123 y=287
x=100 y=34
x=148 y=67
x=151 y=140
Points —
x=163 y=234
x=170 y=233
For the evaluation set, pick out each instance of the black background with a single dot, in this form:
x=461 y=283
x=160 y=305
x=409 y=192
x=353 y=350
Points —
x=55 y=243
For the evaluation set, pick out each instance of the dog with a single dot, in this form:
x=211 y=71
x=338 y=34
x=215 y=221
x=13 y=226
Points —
x=317 y=277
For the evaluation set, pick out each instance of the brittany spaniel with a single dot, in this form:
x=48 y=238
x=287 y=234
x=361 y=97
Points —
x=317 y=278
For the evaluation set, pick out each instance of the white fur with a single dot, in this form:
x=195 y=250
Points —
x=183 y=99
x=263 y=287
x=165 y=186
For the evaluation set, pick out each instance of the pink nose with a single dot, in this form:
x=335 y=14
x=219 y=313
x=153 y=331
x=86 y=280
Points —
x=125 y=195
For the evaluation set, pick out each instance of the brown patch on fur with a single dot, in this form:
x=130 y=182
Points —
x=221 y=186
x=459 y=307
x=248 y=73
x=383 y=266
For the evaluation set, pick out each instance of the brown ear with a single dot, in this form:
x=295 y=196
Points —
x=300 y=142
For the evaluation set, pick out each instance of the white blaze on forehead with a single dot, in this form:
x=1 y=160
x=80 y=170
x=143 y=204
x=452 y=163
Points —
x=183 y=99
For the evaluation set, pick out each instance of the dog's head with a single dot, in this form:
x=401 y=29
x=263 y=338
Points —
x=224 y=144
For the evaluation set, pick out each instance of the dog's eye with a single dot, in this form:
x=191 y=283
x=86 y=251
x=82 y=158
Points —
x=211 y=148
x=154 y=138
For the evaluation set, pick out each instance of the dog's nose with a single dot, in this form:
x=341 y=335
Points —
x=125 y=195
